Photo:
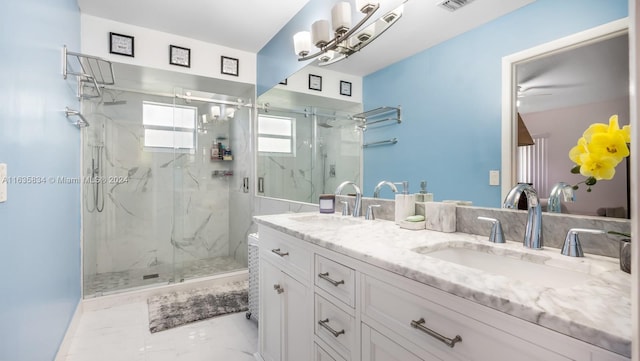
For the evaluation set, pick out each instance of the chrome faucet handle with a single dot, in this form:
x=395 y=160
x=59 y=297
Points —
x=571 y=246
x=370 y=216
x=345 y=208
x=496 y=235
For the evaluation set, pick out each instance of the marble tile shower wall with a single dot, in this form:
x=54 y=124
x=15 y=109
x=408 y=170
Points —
x=169 y=201
x=290 y=177
x=241 y=203
x=342 y=149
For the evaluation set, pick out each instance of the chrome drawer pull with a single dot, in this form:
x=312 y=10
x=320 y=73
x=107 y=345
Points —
x=447 y=341
x=281 y=254
x=325 y=276
x=278 y=288
x=335 y=333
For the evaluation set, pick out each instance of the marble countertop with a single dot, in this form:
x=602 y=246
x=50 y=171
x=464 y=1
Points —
x=597 y=311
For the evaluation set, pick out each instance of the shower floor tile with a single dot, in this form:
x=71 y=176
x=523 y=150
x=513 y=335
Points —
x=111 y=282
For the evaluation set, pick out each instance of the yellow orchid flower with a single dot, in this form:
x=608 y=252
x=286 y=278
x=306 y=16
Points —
x=609 y=144
x=612 y=128
x=597 y=166
x=595 y=128
x=578 y=150
x=599 y=150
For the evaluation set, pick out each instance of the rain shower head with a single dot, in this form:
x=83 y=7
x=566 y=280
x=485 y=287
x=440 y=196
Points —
x=325 y=123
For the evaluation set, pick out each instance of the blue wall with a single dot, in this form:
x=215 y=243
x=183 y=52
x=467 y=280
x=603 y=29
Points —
x=451 y=100
x=277 y=60
x=40 y=223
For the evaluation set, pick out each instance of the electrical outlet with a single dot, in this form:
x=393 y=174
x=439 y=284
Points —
x=3 y=182
x=494 y=177
x=332 y=170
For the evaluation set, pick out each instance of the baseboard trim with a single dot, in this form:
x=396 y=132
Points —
x=63 y=350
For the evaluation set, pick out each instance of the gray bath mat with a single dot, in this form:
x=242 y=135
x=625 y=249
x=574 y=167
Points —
x=178 y=308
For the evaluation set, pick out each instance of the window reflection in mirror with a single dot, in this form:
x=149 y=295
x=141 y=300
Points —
x=307 y=144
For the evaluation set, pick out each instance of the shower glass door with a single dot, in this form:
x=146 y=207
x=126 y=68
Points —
x=211 y=211
x=158 y=206
x=127 y=196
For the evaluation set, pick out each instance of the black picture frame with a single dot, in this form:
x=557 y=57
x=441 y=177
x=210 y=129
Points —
x=315 y=82
x=121 y=44
x=229 y=66
x=284 y=82
x=179 y=56
x=345 y=88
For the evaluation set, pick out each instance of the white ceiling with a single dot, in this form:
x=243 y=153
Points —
x=587 y=74
x=249 y=24
x=423 y=25
x=240 y=24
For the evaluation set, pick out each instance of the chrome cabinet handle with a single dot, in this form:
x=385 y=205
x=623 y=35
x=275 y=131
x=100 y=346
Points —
x=279 y=253
x=324 y=323
x=447 y=341
x=325 y=276
x=278 y=288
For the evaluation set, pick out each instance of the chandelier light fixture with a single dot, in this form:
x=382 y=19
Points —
x=347 y=39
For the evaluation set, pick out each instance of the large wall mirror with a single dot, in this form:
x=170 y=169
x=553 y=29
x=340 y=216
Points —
x=451 y=88
x=307 y=143
x=551 y=94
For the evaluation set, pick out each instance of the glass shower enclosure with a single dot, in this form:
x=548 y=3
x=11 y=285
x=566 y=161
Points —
x=165 y=193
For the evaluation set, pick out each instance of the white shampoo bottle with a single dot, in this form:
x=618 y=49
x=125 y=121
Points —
x=405 y=204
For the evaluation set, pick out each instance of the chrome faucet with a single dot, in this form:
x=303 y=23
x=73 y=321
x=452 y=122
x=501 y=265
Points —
x=357 y=206
x=533 y=230
x=560 y=188
x=571 y=246
x=376 y=191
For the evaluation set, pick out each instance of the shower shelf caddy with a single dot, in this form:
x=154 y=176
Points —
x=378 y=115
x=91 y=72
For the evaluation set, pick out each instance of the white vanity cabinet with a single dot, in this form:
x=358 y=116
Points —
x=440 y=331
x=336 y=307
x=286 y=313
x=378 y=347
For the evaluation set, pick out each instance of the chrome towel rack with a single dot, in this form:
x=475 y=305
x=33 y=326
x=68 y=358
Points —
x=97 y=72
x=378 y=115
x=381 y=142
x=81 y=122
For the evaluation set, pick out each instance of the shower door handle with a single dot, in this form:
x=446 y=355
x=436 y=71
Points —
x=245 y=184
x=260 y=185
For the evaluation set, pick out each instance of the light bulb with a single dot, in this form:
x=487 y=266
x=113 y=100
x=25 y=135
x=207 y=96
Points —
x=320 y=33
x=215 y=111
x=302 y=43
x=341 y=17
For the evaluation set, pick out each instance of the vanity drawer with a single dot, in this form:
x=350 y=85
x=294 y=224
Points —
x=320 y=354
x=421 y=321
x=335 y=327
x=286 y=252
x=337 y=279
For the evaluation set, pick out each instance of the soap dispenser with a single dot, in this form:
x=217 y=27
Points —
x=424 y=196
x=405 y=203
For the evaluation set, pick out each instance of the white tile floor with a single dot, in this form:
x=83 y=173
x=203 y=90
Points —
x=121 y=333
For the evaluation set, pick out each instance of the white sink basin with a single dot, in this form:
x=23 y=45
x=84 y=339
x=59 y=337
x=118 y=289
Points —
x=522 y=266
